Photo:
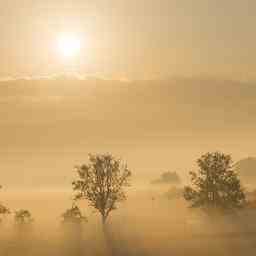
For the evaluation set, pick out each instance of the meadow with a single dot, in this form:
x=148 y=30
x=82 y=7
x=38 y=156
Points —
x=147 y=224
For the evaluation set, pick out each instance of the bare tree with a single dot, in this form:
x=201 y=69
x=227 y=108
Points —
x=102 y=183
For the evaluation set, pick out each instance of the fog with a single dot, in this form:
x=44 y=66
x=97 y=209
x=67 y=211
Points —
x=144 y=88
x=50 y=125
x=148 y=223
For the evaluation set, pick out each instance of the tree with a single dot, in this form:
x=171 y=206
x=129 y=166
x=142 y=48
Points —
x=73 y=241
x=23 y=217
x=73 y=215
x=168 y=178
x=3 y=210
x=102 y=183
x=216 y=185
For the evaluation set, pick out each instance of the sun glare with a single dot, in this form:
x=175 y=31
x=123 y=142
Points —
x=68 y=45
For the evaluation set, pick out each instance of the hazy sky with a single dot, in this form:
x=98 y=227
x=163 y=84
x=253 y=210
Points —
x=130 y=38
x=50 y=125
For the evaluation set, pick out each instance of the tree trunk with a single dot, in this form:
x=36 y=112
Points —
x=104 y=225
x=103 y=219
x=108 y=238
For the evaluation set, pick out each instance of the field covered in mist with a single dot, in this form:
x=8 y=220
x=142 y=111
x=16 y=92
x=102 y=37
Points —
x=148 y=223
x=127 y=128
x=49 y=125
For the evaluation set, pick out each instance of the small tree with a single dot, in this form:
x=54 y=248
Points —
x=101 y=182
x=168 y=178
x=73 y=215
x=216 y=185
x=73 y=220
x=3 y=210
x=23 y=217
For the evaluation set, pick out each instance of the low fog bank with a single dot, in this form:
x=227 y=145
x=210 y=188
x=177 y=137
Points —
x=149 y=223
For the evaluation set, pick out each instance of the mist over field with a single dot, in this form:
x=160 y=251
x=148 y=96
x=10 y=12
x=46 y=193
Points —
x=148 y=223
x=127 y=128
x=48 y=126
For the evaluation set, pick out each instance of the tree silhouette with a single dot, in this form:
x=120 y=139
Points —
x=3 y=210
x=168 y=178
x=216 y=185
x=101 y=182
x=73 y=215
x=73 y=241
x=23 y=217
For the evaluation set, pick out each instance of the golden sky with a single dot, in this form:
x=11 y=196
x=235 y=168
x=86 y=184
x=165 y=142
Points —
x=130 y=39
x=51 y=121
x=50 y=125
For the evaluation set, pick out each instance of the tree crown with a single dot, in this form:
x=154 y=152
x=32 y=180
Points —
x=215 y=185
x=3 y=209
x=73 y=215
x=101 y=182
x=23 y=217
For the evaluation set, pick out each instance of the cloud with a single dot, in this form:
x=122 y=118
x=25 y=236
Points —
x=31 y=99
x=8 y=78
x=66 y=76
x=49 y=88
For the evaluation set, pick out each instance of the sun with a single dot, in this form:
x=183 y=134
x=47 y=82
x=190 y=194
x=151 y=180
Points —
x=68 y=45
